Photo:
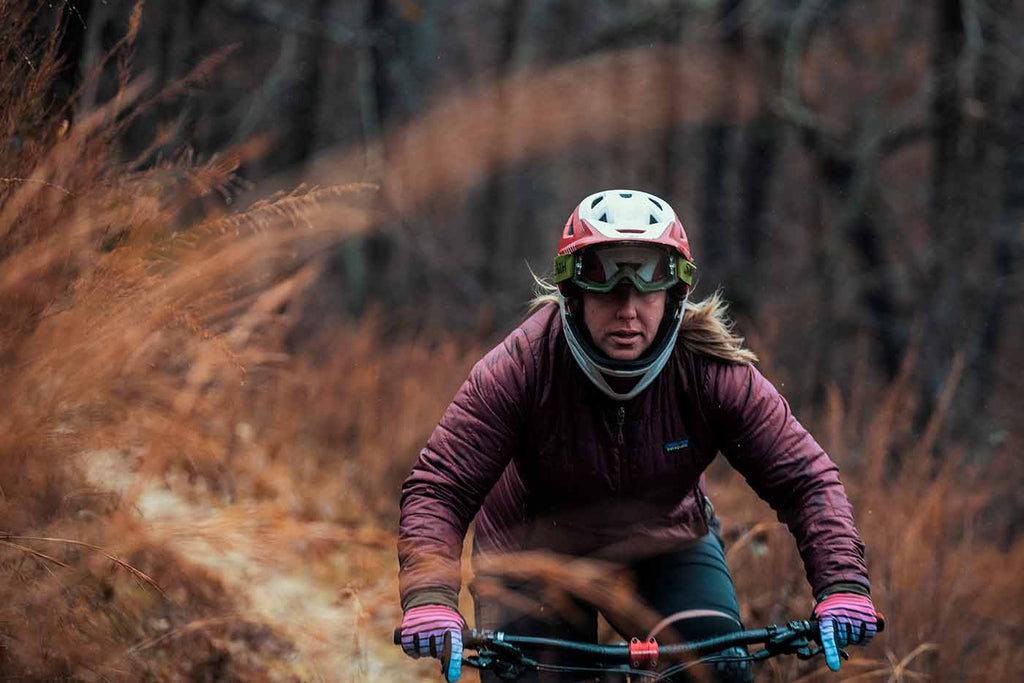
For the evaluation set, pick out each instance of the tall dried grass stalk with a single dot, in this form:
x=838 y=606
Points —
x=117 y=333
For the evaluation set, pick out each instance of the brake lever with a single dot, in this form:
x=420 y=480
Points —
x=794 y=638
x=788 y=638
x=504 y=659
x=812 y=649
x=809 y=651
x=499 y=667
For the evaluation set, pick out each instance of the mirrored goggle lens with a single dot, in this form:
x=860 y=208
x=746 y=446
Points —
x=647 y=265
x=649 y=268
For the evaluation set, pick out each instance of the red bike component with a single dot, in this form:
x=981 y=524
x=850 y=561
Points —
x=643 y=654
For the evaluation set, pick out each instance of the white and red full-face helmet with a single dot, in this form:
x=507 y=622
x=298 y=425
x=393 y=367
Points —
x=612 y=236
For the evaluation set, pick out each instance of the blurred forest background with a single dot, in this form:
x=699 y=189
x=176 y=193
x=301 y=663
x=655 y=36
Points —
x=250 y=249
x=851 y=173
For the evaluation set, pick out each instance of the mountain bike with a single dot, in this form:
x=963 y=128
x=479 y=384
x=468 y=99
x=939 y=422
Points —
x=508 y=655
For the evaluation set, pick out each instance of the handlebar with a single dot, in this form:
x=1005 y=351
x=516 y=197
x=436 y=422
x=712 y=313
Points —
x=773 y=636
x=510 y=653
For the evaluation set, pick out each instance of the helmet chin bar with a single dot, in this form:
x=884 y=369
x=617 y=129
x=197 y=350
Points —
x=596 y=366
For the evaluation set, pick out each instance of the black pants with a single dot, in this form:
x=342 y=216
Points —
x=690 y=587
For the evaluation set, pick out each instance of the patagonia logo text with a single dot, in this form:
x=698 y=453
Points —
x=673 y=446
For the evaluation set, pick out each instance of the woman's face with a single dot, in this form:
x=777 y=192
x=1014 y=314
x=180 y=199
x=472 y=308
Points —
x=623 y=322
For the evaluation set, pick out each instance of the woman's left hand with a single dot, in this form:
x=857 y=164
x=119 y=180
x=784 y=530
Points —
x=845 y=619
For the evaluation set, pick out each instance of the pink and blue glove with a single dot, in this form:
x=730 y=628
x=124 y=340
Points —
x=846 y=619
x=434 y=631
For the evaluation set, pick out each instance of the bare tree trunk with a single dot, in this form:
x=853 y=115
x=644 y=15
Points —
x=378 y=19
x=495 y=213
x=983 y=213
x=946 y=49
x=757 y=167
x=947 y=197
x=759 y=160
x=302 y=96
x=948 y=206
x=72 y=47
x=713 y=194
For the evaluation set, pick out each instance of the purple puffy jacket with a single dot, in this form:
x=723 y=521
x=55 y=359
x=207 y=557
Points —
x=544 y=460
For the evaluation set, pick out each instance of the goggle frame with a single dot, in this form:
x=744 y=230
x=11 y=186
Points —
x=570 y=267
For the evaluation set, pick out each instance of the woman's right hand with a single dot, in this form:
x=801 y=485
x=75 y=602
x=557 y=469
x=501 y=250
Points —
x=846 y=619
x=435 y=631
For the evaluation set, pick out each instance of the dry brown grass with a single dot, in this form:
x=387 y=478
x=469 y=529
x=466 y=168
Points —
x=125 y=329
x=945 y=565
x=128 y=329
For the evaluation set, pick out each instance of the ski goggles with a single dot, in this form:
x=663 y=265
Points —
x=650 y=268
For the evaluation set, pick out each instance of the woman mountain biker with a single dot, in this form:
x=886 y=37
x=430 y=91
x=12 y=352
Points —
x=586 y=433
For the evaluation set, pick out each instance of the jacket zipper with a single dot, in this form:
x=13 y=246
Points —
x=619 y=441
x=702 y=509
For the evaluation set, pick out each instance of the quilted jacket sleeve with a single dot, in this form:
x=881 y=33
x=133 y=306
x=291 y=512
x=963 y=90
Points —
x=464 y=457
x=757 y=432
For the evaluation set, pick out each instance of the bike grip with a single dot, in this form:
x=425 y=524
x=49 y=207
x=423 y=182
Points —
x=881 y=620
x=398 y=635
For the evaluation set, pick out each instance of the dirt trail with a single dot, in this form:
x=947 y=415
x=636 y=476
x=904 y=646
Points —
x=329 y=589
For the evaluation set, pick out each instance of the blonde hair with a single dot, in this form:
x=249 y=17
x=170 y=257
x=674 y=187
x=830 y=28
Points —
x=706 y=329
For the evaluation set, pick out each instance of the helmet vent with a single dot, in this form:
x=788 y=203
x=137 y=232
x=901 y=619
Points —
x=655 y=202
x=596 y=201
x=604 y=217
x=569 y=229
x=625 y=195
x=653 y=220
